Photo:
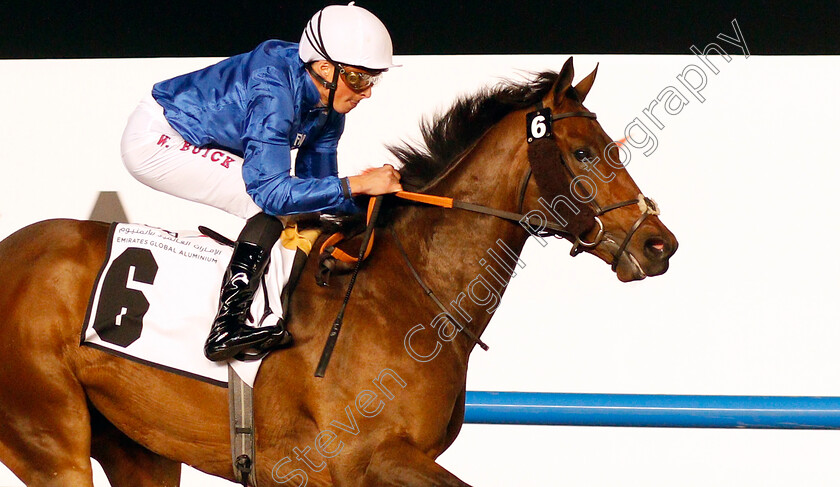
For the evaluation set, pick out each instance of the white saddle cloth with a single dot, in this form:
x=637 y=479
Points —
x=158 y=292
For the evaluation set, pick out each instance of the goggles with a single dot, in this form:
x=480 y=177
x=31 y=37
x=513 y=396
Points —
x=358 y=81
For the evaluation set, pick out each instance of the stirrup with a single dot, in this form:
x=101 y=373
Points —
x=260 y=350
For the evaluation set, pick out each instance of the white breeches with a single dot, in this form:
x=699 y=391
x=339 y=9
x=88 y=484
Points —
x=158 y=157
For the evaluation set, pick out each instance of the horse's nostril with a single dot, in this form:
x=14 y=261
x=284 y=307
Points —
x=655 y=247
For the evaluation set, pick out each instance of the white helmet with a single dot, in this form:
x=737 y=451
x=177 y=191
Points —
x=347 y=34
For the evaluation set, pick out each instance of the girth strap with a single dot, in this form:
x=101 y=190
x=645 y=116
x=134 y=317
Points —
x=241 y=407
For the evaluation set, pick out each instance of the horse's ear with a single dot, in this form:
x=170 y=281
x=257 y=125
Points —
x=564 y=80
x=585 y=85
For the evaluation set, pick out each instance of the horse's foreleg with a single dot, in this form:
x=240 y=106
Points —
x=397 y=463
x=127 y=463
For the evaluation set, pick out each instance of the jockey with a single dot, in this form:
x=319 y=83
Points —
x=223 y=136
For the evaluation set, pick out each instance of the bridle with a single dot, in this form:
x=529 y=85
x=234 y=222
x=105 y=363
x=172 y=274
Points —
x=646 y=205
x=542 y=227
x=536 y=225
x=330 y=251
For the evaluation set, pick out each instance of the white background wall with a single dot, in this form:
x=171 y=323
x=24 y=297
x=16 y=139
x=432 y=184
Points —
x=745 y=180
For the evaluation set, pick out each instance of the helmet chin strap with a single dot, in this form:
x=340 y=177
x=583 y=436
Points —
x=333 y=87
x=317 y=43
x=326 y=84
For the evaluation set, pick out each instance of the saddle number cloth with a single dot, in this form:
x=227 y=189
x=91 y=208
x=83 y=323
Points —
x=158 y=292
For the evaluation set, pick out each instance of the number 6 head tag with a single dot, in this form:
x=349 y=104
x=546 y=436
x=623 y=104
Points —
x=538 y=124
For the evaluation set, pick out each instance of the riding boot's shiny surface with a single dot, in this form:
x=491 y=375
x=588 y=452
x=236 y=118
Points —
x=279 y=338
x=230 y=335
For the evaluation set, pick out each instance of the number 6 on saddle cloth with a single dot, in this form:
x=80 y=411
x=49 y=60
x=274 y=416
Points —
x=157 y=294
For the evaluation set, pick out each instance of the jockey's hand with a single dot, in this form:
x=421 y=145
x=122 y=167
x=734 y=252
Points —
x=376 y=181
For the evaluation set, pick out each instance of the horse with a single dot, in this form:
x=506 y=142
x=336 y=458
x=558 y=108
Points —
x=393 y=398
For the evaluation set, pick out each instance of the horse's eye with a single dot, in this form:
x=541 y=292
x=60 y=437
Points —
x=582 y=154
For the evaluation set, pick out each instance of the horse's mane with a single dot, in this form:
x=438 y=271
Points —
x=446 y=136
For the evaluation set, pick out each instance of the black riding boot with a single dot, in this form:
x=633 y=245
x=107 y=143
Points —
x=230 y=335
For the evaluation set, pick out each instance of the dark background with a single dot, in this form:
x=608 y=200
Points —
x=145 y=28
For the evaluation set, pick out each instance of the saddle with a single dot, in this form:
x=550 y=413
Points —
x=303 y=233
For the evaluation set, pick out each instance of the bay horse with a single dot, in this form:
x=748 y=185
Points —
x=393 y=398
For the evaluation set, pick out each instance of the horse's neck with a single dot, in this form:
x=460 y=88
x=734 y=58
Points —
x=467 y=257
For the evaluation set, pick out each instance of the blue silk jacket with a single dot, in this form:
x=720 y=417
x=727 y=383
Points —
x=261 y=105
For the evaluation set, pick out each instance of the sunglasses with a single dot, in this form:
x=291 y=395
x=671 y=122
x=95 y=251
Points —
x=358 y=81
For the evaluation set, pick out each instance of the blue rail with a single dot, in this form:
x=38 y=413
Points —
x=653 y=411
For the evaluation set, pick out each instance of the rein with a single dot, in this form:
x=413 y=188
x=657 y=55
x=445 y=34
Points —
x=539 y=126
x=373 y=212
x=646 y=205
x=367 y=244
